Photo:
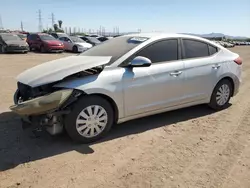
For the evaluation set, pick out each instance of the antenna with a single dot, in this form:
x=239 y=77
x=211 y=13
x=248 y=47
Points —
x=40 y=25
x=1 y=23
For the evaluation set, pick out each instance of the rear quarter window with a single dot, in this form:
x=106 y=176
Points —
x=212 y=50
x=195 y=48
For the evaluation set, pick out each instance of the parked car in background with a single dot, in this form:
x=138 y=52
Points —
x=10 y=42
x=125 y=78
x=75 y=44
x=94 y=35
x=102 y=39
x=44 y=43
x=91 y=40
x=57 y=35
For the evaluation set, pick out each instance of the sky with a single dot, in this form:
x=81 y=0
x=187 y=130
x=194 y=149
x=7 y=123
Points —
x=231 y=17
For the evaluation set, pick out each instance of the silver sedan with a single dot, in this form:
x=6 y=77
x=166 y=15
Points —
x=125 y=78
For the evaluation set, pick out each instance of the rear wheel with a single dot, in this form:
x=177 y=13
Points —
x=75 y=49
x=221 y=95
x=90 y=119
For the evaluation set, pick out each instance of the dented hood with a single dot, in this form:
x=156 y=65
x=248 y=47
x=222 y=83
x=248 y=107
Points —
x=56 y=70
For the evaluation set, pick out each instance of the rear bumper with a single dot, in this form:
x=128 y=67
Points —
x=237 y=79
x=237 y=83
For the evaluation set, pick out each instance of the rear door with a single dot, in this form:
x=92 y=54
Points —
x=201 y=69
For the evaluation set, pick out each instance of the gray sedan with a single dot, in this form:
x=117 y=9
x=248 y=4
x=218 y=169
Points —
x=12 y=43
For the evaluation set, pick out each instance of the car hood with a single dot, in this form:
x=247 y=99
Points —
x=16 y=42
x=84 y=44
x=56 y=70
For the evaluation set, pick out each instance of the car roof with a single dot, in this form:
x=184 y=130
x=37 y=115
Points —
x=163 y=35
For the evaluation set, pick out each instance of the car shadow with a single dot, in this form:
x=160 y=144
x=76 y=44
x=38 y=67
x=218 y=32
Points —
x=19 y=147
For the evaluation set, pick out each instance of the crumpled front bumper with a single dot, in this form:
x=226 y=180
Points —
x=43 y=104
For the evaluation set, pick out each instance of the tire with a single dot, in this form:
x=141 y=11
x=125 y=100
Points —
x=16 y=96
x=2 y=49
x=216 y=102
x=86 y=125
x=75 y=49
x=42 y=49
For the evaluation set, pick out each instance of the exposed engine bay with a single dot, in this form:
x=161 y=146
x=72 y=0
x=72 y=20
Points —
x=26 y=92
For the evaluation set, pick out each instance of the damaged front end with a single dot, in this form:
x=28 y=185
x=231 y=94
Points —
x=37 y=99
x=46 y=110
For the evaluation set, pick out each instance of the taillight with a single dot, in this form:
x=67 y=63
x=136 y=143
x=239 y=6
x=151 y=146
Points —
x=238 y=61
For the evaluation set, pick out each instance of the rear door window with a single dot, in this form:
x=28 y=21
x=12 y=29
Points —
x=195 y=49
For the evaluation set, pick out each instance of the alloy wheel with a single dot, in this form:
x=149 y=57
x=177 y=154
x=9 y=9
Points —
x=222 y=95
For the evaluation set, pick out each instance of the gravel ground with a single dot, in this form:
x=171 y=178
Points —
x=192 y=147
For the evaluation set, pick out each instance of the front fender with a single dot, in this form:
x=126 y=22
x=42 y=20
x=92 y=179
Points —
x=112 y=91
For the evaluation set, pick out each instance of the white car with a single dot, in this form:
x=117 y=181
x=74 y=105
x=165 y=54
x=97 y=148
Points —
x=75 y=44
x=125 y=78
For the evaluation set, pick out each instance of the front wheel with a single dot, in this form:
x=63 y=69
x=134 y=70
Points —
x=90 y=119
x=75 y=49
x=42 y=49
x=221 y=95
x=2 y=49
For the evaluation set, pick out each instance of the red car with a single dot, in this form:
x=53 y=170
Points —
x=44 y=43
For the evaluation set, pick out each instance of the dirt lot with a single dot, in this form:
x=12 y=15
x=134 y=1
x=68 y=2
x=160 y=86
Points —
x=192 y=147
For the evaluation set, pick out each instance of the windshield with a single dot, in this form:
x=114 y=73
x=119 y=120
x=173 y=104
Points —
x=116 y=47
x=22 y=36
x=93 y=39
x=46 y=37
x=76 y=39
x=8 y=37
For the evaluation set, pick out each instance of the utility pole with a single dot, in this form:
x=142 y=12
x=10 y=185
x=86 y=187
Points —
x=52 y=19
x=40 y=25
x=70 y=30
x=1 y=23
x=21 y=26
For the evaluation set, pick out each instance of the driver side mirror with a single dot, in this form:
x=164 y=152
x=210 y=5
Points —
x=140 y=61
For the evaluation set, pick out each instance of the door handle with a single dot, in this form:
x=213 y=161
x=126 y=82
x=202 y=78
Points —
x=216 y=66
x=176 y=73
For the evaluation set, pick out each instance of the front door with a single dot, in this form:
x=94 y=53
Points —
x=158 y=86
